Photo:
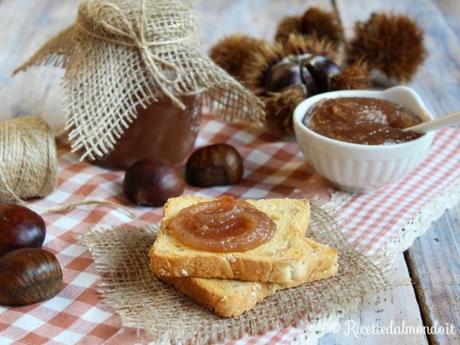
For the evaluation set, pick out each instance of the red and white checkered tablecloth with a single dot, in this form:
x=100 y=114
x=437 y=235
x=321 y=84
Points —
x=272 y=169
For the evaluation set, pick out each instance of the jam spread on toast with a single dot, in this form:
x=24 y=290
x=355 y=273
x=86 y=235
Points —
x=222 y=225
x=361 y=120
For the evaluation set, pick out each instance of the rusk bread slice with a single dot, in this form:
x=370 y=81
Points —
x=225 y=298
x=280 y=260
x=233 y=297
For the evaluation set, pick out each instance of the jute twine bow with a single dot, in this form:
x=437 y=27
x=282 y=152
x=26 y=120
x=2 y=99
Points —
x=132 y=35
x=28 y=159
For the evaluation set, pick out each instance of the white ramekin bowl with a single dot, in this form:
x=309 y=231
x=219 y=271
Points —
x=357 y=167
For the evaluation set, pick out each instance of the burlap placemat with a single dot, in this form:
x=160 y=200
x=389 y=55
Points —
x=144 y=302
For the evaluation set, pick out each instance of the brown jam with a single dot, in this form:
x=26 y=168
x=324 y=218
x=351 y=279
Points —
x=160 y=131
x=361 y=120
x=222 y=225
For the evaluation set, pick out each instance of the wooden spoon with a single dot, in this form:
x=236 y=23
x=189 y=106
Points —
x=448 y=120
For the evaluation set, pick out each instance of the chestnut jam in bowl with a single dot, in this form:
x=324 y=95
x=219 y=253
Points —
x=354 y=138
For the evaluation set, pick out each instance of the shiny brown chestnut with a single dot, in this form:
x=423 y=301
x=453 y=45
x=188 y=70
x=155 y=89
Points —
x=20 y=227
x=315 y=72
x=291 y=71
x=282 y=75
x=151 y=182
x=214 y=165
x=29 y=275
x=323 y=70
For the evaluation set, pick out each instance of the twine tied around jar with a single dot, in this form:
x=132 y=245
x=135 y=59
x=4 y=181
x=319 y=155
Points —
x=132 y=35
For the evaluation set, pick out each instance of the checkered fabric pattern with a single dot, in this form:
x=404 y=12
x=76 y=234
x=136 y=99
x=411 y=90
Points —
x=374 y=219
x=272 y=169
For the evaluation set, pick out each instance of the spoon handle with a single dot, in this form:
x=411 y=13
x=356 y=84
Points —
x=448 y=120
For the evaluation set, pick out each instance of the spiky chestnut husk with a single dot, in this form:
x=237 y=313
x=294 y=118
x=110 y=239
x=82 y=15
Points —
x=287 y=26
x=279 y=107
x=353 y=77
x=257 y=68
x=233 y=52
x=392 y=44
x=258 y=64
x=298 y=44
x=314 y=22
x=322 y=23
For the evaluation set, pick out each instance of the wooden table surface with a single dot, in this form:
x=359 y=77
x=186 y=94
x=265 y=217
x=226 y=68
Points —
x=433 y=262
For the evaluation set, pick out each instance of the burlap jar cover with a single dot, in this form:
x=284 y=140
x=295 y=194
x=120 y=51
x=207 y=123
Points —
x=121 y=54
x=142 y=301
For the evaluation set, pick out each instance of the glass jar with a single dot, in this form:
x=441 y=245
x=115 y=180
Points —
x=160 y=131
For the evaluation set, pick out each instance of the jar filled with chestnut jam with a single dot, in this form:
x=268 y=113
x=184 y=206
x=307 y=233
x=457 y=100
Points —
x=160 y=131
x=362 y=120
x=222 y=225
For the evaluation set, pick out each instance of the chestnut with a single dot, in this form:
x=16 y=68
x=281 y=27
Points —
x=151 y=182
x=315 y=72
x=323 y=70
x=29 y=275
x=282 y=75
x=214 y=165
x=20 y=227
x=291 y=71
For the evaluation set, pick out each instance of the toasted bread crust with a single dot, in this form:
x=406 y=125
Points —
x=256 y=271
x=247 y=266
x=311 y=261
x=320 y=263
x=246 y=269
x=229 y=298
x=243 y=298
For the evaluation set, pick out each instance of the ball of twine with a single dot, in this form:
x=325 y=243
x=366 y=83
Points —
x=28 y=159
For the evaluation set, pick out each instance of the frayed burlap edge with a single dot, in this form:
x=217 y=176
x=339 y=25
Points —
x=124 y=54
x=142 y=301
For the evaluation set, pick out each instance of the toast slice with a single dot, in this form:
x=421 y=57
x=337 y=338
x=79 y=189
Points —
x=229 y=298
x=280 y=260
